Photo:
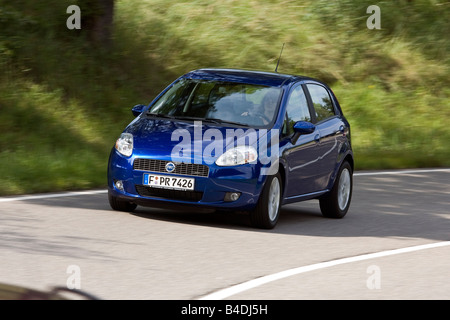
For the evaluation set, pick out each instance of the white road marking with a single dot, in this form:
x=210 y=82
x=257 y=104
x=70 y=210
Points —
x=225 y=293
x=399 y=172
x=52 y=195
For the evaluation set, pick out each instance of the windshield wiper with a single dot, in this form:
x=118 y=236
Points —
x=159 y=115
x=212 y=120
x=173 y=117
x=188 y=118
x=220 y=121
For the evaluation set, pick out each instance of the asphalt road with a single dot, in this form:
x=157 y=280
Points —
x=77 y=240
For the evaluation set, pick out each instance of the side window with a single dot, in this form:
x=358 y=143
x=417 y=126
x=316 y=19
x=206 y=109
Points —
x=296 y=109
x=321 y=101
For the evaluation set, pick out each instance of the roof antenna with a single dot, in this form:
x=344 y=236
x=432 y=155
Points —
x=279 y=58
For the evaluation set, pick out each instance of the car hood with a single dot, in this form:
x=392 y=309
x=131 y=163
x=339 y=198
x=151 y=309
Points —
x=161 y=137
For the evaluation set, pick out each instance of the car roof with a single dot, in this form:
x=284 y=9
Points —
x=245 y=76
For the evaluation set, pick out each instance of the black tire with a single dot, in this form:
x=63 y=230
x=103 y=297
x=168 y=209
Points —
x=335 y=204
x=120 y=205
x=267 y=212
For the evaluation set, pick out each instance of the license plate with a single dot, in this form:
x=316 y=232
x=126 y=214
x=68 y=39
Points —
x=168 y=182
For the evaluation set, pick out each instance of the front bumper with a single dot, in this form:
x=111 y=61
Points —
x=209 y=192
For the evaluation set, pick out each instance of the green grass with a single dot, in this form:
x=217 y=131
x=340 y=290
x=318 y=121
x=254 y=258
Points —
x=401 y=129
x=63 y=102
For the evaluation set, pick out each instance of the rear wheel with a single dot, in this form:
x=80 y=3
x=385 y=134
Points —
x=335 y=204
x=120 y=205
x=267 y=211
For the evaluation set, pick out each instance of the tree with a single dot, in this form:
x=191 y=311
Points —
x=97 y=20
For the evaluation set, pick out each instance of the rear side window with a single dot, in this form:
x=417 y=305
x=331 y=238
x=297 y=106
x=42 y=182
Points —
x=321 y=101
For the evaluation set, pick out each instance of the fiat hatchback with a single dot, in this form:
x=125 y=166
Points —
x=235 y=140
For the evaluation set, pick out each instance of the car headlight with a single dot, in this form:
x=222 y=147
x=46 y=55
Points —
x=238 y=155
x=125 y=144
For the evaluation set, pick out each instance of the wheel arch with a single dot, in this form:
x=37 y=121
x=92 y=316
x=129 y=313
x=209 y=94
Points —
x=350 y=160
x=345 y=157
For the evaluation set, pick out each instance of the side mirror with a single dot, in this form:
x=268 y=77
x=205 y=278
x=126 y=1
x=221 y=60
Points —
x=300 y=128
x=137 y=109
x=304 y=127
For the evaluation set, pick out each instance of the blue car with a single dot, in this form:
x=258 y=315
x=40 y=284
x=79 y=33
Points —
x=238 y=140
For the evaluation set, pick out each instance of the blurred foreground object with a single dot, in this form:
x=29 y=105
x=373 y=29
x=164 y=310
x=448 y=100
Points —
x=13 y=292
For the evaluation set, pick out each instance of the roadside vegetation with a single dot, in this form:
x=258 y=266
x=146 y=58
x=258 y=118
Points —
x=64 y=101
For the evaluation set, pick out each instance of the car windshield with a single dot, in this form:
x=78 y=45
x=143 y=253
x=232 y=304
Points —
x=219 y=102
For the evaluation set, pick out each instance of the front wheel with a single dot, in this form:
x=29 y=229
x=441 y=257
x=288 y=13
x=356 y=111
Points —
x=335 y=204
x=267 y=211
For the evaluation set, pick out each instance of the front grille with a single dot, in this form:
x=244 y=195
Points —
x=188 y=169
x=169 y=194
